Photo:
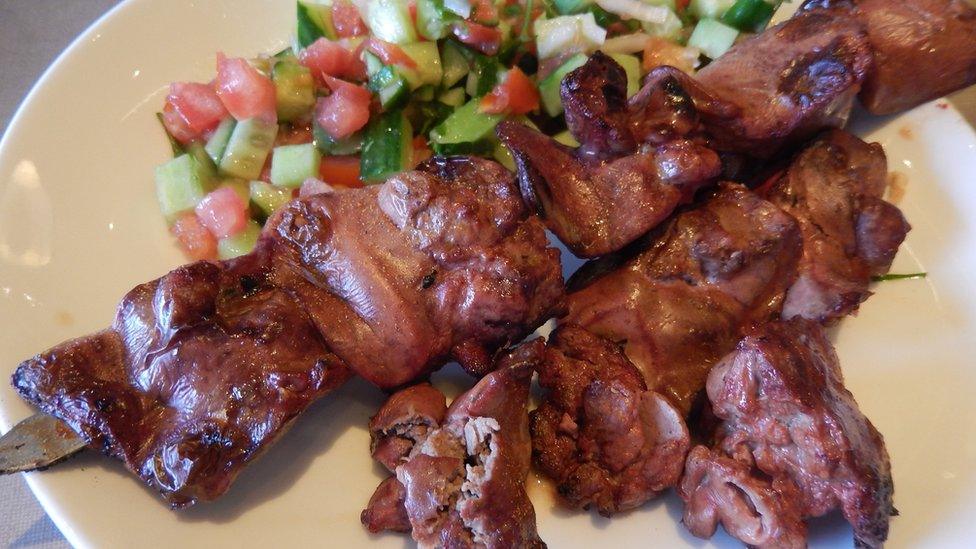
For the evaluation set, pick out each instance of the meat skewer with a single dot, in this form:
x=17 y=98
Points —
x=204 y=368
x=459 y=472
x=637 y=160
x=923 y=49
x=834 y=189
x=599 y=433
x=794 y=442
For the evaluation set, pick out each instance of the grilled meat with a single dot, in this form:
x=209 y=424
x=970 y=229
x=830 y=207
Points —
x=599 y=433
x=923 y=49
x=463 y=484
x=785 y=413
x=834 y=189
x=636 y=162
x=789 y=82
x=717 y=490
x=677 y=306
x=206 y=366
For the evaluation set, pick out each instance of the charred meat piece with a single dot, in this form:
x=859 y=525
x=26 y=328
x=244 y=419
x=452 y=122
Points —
x=634 y=166
x=923 y=49
x=202 y=370
x=850 y=234
x=789 y=82
x=678 y=305
x=405 y=419
x=599 y=433
x=761 y=513
x=438 y=263
x=784 y=409
x=206 y=366
x=463 y=485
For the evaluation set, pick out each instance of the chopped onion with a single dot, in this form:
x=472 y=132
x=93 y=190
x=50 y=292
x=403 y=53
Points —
x=628 y=43
x=568 y=34
x=635 y=9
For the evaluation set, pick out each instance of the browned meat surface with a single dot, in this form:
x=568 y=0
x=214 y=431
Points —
x=923 y=49
x=599 y=433
x=720 y=490
x=202 y=369
x=405 y=419
x=677 y=306
x=206 y=366
x=434 y=264
x=385 y=510
x=789 y=82
x=634 y=166
x=463 y=485
x=850 y=234
x=783 y=408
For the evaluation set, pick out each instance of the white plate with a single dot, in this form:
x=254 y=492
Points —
x=79 y=226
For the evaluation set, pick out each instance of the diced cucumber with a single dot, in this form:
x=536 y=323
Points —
x=453 y=98
x=291 y=165
x=428 y=60
x=433 y=19
x=467 y=124
x=424 y=93
x=390 y=21
x=239 y=186
x=241 y=243
x=181 y=184
x=712 y=37
x=267 y=197
x=199 y=152
x=426 y=115
x=218 y=140
x=709 y=9
x=549 y=87
x=504 y=156
x=373 y=63
x=455 y=63
x=484 y=75
x=461 y=8
x=387 y=147
x=314 y=22
x=571 y=7
x=248 y=148
x=566 y=138
x=749 y=15
x=173 y=143
x=632 y=66
x=330 y=146
x=391 y=87
x=568 y=34
x=294 y=90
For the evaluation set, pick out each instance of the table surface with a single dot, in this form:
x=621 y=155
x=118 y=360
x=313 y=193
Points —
x=28 y=44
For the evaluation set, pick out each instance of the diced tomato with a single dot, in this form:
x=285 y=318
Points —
x=223 y=212
x=487 y=40
x=515 y=95
x=390 y=54
x=344 y=111
x=347 y=20
x=176 y=126
x=197 y=104
x=340 y=171
x=195 y=240
x=294 y=135
x=327 y=58
x=421 y=151
x=244 y=91
x=412 y=10
x=681 y=5
x=484 y=11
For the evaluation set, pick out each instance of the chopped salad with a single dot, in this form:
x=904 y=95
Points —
x=370 y=88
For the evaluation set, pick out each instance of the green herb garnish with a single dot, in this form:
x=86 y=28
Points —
x=910 y=276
